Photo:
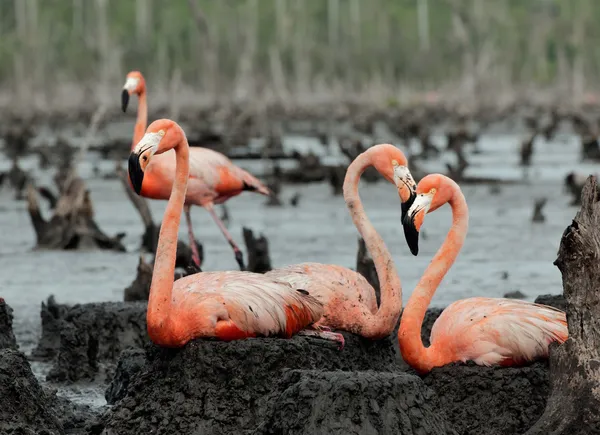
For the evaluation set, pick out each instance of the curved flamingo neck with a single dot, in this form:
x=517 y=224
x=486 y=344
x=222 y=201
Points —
x=409 y=335
x=161 y=288
x=380 y=324
x=142 y=119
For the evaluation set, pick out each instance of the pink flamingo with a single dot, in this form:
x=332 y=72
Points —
x=489 y=331
x=349 y=300
x=226 y=305
x=213 y=177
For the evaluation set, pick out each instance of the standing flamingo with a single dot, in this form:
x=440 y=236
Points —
x=213 y=177
x=225 y=305
x=349 y=300
x=489 y=331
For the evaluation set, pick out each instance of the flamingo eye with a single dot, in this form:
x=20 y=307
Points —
x=145 y=158
x=432 y=191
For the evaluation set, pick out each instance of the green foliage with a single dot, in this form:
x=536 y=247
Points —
x=363 y=41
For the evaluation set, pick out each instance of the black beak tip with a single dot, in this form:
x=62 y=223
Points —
x=124 y=100
x=136 y=174
x=411 y=234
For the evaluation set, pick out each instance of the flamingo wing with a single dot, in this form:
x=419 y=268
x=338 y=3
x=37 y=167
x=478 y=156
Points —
x=499 y=331
x=326 y=281
x=213 y=178
x=221 y=175
x=249 y=304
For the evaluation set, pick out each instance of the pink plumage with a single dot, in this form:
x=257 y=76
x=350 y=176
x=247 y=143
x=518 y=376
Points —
x=494 y=331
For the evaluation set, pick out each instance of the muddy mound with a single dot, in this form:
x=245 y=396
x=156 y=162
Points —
x=365 y=403
x=7 y=337
x=220 y=388
x=27 y=408
x=24 y=406
x=130 y=363
x=51 y=314
x=98 y=332
x=556 y=301
x=491 y=401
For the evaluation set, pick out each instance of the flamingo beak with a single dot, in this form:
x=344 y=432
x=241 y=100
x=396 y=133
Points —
x=413 y=220
x=406 y=186
x=129 y=87
x=140 y=158
x=124 y=100
x=136 y=173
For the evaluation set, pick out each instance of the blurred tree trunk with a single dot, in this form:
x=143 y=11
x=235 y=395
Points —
x=103 y=44
x=245 y=83
x=143 y=23
x=333 y=22
x=578 y=23
x=210 y=49
x=19 y=56
x=423 y=13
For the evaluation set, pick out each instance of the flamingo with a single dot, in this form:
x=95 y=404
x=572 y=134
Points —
x=349 y=300
x=488 y=331
x=213 y=177
x=227 y=305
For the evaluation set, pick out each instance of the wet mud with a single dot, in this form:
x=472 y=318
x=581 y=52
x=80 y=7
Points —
x=7 y=337
x=492 y=401
x=28 y=408
x=370 y=403
x=216 y=387
x=90 y=334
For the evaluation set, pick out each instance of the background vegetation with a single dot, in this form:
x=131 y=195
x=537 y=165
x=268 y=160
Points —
x=295 y=49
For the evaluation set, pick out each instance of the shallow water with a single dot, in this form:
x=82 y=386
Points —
x=503 y=252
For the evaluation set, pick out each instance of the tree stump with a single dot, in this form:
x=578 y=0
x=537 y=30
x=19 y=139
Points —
x=259 y=260
x=574 y=400
x=72 y=225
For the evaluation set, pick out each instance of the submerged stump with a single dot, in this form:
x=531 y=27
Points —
x=574 y=400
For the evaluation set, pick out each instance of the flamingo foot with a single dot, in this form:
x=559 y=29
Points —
x=325 y=335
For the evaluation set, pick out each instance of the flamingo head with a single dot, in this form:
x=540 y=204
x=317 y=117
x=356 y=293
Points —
x=134 y=84
x=162 y=135
x=432 y=192
x=393 y=165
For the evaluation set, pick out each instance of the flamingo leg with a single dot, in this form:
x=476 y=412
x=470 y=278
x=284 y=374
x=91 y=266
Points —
x=239 y=257
x=193 y=246
x=325 y=335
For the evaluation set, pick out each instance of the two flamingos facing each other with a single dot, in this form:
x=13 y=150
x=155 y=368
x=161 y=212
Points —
x=349 y=300
x=488 y=331
x=213 y=178
x=224 y=305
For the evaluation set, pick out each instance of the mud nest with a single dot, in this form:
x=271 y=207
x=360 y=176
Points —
x=217 y=387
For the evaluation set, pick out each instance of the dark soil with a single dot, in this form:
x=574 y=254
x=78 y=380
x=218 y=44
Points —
x=221 y=388
x=51 y=313
x=361 y=403
x=130 y=363
x=491 y=401
x=27 y=408
x=7 y=337
x=93 y=333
